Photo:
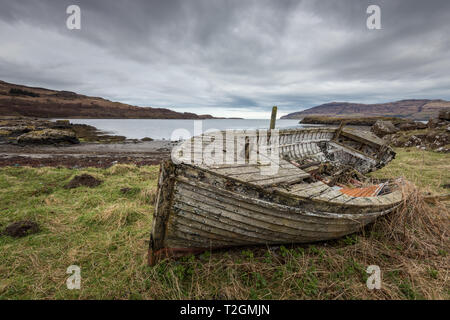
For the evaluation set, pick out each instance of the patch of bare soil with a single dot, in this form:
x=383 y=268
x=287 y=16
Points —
x=80 y=162
x=125 y=190
x=83 y=180
x=21 y=229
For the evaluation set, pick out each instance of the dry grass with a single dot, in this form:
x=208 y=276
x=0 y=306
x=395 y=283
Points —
x=430 y=171
x=410 y=246
x=106 y=232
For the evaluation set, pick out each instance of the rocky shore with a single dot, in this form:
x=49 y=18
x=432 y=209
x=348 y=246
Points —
x=36 y=131
x=37 y=142
x=399 y=132
x=433 y=136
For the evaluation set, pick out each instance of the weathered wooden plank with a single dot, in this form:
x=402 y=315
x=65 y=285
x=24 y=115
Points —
x=233 y=229
x=339 y=198
x=204 y=214
x=237 y=170
x=217 y=230
x=280 y=174
x=245 y=222
x=363 y=136
x=330 y=194
x=165 y=194
x=285 y=181
x=353 y=152
x=309 y=192
x=182 y=230
x=262 y=222
x=302 y=186
x=276 y=214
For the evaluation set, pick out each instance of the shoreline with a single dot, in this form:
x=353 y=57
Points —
x=100 y=155
x=73 y=145
x=62 y=143
x=37 y=142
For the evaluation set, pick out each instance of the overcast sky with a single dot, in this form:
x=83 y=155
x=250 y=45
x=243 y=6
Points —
x=230 y=58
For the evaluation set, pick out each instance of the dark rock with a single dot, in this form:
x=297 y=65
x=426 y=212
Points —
x=18 y=129
x=432 y=123
x=382 y=128
x=436 y=138
x=125 y=190
x=444 y=115
x=60 y=124
x=146 y=139
x=415 y=141
x=4 y=133
x=83 y=180
x=21 y=229
x=48 y=136
x=411 y=126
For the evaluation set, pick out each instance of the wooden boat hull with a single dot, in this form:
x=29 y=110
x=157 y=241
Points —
x=199 y=208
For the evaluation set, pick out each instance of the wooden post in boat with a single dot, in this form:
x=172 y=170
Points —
x=339 y=130
x=273 y=118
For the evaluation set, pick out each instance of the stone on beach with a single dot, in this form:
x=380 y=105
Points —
x=48 y=136
x=444 y=115
x=382 y=128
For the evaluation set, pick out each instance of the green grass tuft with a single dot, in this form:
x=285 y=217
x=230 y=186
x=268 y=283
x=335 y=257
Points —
x=106 y=232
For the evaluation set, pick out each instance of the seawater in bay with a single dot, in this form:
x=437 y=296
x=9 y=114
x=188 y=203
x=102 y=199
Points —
x=159 y=129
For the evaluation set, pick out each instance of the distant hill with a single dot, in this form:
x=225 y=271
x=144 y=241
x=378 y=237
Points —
x=18 y=100
x=412 y=109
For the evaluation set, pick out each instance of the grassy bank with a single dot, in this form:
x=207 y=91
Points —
x=105 y=231
x=355 y=121
x=430 y=171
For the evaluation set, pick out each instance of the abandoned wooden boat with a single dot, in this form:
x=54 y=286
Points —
x=223 y=196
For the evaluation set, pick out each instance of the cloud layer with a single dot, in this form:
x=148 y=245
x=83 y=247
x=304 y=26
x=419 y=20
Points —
x=230 y=58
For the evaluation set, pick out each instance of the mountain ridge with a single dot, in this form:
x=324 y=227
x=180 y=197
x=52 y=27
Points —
x=20 y=100
x=416 y=109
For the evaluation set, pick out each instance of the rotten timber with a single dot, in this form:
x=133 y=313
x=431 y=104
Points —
x=202 y=205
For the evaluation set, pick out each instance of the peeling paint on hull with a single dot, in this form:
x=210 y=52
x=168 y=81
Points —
x=201 y=206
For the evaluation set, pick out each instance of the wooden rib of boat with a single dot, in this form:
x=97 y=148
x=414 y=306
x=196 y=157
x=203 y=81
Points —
x=203 y=204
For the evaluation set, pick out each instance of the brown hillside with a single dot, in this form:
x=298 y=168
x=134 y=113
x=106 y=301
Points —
x=412 y=109
x=18 y=100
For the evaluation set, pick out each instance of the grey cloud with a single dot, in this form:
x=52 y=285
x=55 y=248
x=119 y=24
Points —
x=224 y=55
